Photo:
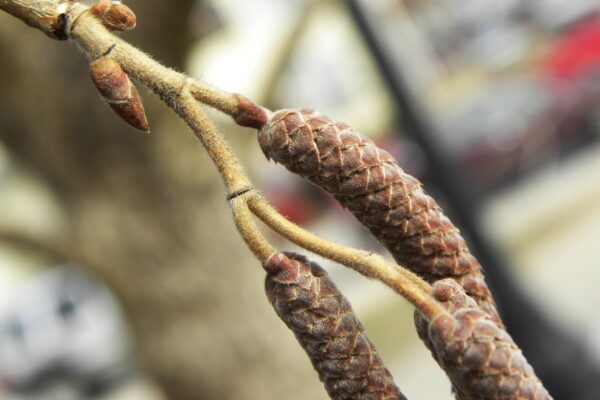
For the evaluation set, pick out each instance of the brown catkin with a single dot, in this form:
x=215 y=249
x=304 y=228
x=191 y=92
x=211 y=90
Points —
x=481 y=359
x=327 y=329
x=368 y=181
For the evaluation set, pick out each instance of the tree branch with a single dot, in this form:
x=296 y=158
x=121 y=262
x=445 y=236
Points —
x=371 y=265
x=180 y=93
x=45 y=15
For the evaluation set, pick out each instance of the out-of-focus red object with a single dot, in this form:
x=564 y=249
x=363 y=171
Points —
x=577 y=52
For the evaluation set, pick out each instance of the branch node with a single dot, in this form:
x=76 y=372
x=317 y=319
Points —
x=109 y=50
x=70 y=18
x=185 y=85
x=239 y=193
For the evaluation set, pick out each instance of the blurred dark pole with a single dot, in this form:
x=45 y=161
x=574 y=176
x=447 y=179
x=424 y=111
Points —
x=559 y=360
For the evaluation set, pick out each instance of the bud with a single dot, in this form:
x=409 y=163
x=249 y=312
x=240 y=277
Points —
x=249 y=114
x=114 y=15
x=118 y=91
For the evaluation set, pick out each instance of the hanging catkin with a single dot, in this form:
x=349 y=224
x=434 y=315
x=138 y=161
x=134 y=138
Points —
x=368 y=181
x=327 y=329
x=480 y=357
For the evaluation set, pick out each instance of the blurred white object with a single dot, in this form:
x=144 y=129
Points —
x=61 y=324
x=555 y=14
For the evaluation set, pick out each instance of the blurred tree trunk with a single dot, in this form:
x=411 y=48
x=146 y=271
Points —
x=148 y=215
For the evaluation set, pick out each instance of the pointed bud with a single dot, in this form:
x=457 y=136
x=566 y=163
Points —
x=118 y=91
x=114 y=15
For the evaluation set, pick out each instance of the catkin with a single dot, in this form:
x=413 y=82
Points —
x=327 y=329
x=481 y=359
x=367 y=181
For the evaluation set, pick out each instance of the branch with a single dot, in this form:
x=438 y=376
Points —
x=447 y=321
x=244 y=221
x=45 y=15
x=368 y=264
x=180 y=93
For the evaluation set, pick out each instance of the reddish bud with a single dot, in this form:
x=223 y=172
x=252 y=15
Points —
x=118 y=91
x=114 y=15
x=249 y=115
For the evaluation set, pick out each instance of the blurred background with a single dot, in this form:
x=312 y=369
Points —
x=122 y=277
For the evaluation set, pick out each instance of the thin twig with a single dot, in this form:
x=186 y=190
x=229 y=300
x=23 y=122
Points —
x=244 y=220
x=180 y=93
x=53 y=251
x=216 y=98
x=235 y=178
x=96 y=41
x=371 y=265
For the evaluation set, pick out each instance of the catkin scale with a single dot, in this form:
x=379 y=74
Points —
x=368 y=182
x=481 y=359
x=325 y=326
x=118 y=91
x=114 y=15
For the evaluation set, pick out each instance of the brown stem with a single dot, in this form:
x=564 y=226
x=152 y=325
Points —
x=371 y=265
x=45 y=15
x=244 y=221
x=177 y=90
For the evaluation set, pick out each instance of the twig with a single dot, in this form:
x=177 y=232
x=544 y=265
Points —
x=62 y=19
x=45 y=15
x=216 y=98
x=180 y=93
x=96 y=40
x=247 y=227
x=371 y=265
x=32 y=244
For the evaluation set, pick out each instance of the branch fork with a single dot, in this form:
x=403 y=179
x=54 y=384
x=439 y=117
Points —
x=344 y=163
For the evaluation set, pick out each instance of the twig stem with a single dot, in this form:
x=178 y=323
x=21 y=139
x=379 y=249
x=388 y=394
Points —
x=181 y=93
x=369 y=264
x=173 y=87
x=244 y=220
